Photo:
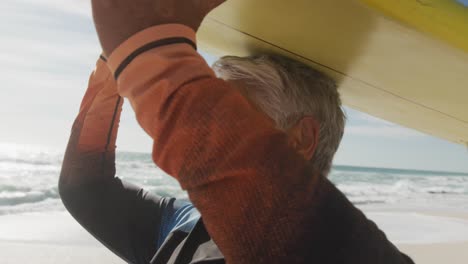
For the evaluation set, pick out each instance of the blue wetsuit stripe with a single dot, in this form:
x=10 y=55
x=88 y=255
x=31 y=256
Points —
x=177 y=215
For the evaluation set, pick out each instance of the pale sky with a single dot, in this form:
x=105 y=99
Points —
x=48 y=49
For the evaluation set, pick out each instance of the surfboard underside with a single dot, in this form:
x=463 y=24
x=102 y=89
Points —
x=387 y=57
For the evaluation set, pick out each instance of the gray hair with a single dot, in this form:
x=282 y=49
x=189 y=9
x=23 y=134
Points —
x=287 y=91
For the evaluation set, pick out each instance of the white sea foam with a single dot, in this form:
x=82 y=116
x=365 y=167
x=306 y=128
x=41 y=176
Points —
x=418 y=190
x=29 y=176
x=28 y=185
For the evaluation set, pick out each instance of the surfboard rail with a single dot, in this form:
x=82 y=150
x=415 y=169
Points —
x=444 y=19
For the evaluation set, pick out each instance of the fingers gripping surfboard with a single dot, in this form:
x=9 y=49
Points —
x=405 y=61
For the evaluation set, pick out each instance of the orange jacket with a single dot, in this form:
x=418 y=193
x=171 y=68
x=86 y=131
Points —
x=260 y=200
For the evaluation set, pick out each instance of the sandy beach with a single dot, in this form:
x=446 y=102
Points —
x=23 y=252
x=52 y=238
x=427 y=237
x=453 y=253
x=55 y=237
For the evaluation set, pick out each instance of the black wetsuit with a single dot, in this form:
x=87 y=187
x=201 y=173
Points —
x=141 y=227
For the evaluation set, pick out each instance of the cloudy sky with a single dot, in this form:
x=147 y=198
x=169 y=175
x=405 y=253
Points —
x=48 y=49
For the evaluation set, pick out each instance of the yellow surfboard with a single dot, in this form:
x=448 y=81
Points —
x=405 y=61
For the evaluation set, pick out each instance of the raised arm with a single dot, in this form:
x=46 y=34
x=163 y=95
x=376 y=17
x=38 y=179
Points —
x=123 y=217
x=259 y=200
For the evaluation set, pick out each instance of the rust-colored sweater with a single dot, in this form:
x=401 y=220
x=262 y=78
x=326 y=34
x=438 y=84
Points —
x=259 y=199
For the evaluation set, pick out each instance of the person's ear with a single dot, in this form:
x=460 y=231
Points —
x=304 y=136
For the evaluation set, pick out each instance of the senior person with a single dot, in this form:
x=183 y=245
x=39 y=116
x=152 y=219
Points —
x=252 y=147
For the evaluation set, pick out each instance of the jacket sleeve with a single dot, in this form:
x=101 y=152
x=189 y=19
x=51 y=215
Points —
x=122 y=216
x=259 y=200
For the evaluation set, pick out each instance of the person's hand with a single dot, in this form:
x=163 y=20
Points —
x=118 y=20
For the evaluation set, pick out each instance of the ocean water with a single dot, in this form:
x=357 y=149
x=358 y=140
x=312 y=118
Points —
x=28 y=183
